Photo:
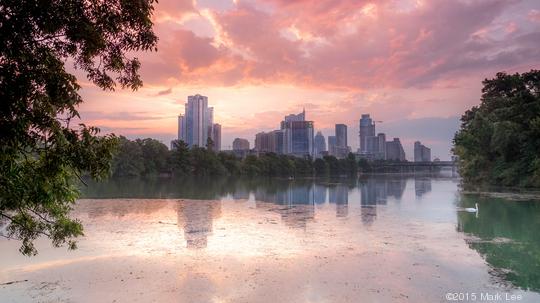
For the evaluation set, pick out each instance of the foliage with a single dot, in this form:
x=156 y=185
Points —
x=499 y=140
x=198 y=161
x=40 y=152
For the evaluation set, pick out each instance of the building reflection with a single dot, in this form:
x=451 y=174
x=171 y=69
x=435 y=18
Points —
x=376 y=191
x=422 y=186
x=297 y=201
x=195 y=219
x=339 y=194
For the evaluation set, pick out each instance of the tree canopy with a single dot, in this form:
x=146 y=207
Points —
x=499 y=140
x=41 y=153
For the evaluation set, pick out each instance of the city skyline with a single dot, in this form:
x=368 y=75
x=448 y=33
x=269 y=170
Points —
x=260 y=60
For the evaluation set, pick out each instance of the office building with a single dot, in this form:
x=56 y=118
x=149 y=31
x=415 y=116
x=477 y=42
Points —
x=196 y=125
x=297 y=135
x=332 y=145
x=240 y=144
x=341 y=135
x=320 y=144
x=216 y=136
x=381 y=148
x=367 y=130
x=421 y=152
x=394 y=150
x=269 y=142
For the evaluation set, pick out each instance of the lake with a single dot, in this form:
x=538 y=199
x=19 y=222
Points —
x=372 y=239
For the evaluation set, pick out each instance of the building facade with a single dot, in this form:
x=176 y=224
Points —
x=367 y=130
x=216 y=136
x=298 y=135
x=421 y=152
x=240 y=144
x=394 y=150
x=196 y=125
x=319 y=144
x=332 y=145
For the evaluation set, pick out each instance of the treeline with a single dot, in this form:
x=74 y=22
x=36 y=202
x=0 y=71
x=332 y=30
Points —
x=149 y=157
x=499 y=140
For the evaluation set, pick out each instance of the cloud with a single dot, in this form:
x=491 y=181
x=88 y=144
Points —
x=345 y=44
x=163 y=92
x=534 y=15
x=121 y=116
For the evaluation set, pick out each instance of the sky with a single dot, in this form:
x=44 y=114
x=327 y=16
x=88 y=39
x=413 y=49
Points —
x=414 y=65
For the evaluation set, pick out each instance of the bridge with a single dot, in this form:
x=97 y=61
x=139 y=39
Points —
x=412 y=167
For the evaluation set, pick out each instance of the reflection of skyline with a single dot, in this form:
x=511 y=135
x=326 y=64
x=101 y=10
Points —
x=298 y=199
x=422 y=186
x=195 y=218
x=339 y=194
x=375 y=191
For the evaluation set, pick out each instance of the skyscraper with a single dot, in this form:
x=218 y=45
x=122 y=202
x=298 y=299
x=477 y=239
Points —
x=216 y=136
x=320 y=144
x=332 y=145
x=341 y=135
x=394 y=150
x=298 y=117
x=421 y=152
x=297 y=135
x=341 y=149
x=269 y=142
x=181 y=127
x=299 y=138
x=196 y=125
x=381 y=154
x=367 y=129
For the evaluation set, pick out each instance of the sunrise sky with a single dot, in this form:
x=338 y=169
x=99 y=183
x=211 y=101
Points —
x=415 y=65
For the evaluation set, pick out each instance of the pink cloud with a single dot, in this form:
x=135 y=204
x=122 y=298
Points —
x=352 y=45
x=534 y=15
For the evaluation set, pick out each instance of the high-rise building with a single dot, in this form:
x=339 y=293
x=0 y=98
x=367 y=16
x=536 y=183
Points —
x=216 y=136
x=298 y=117
x=269 y=142
x=421 y=152
x=298 y=138
x=297 y=135
x=341 y=135
x=240 y=144
x=394 y=150
x=320 y=144
x=367 y=129
x=197 y=123
x=332 y=145
x=381 y=154
x=278 y=137
x=263 y=142
x=181 y=127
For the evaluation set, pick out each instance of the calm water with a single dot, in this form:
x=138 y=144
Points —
x=377 y=239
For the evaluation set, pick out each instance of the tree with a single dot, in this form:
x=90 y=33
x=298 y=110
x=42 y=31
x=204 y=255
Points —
x=40 y=99
x=499 y=140
x=320 y=166
x=155 y=156
x=128 y=161
x=179 y=157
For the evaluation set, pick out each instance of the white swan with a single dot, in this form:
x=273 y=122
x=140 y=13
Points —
x=472 y=210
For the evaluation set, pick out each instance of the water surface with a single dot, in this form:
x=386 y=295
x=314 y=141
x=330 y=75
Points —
x=377 y=239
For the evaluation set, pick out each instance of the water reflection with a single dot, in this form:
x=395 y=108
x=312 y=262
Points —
x=215 y=238
x=505 y=234
x=422 y=186
x=376 y=191
x=195 y=219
